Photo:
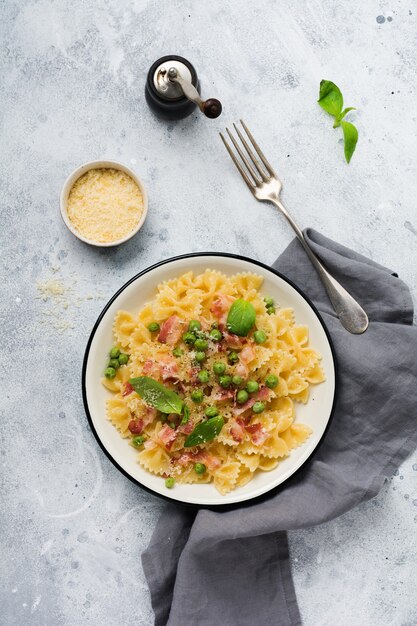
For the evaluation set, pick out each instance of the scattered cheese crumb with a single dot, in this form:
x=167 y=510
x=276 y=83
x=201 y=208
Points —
x=105 y=205
x=60 y=299
x=57 y=294
x=50 y=288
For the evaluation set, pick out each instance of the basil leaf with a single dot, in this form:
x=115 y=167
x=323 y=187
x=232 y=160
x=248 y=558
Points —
x=342 y=115
x=350 y=134
x=205 y=431
x=241 y=317
x=156 y=395
x=330 y=98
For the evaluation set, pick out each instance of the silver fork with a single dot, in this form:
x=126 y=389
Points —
x=266 y=187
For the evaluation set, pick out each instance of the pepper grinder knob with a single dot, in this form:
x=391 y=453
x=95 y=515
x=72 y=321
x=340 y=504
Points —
x=172 y=90
x=211 y=107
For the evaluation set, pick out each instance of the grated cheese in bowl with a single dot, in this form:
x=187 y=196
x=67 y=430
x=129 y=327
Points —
x=103 y=203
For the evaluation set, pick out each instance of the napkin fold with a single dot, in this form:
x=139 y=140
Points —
x=232 y=567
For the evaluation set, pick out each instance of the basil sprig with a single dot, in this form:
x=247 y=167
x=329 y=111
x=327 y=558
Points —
x=241 y=317
x=156 y=395
x=331 y=100
x=205 y=431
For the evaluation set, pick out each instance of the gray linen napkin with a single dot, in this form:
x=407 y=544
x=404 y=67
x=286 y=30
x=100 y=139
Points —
x=232 y=567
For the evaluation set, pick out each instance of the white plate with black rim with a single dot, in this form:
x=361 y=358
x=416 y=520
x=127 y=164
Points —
x=131 y=297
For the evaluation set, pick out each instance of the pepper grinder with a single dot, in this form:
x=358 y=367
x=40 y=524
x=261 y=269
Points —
x=172 y=90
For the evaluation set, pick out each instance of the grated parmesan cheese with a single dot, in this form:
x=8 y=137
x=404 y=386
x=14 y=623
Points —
x=50 y=288
x=105 y=205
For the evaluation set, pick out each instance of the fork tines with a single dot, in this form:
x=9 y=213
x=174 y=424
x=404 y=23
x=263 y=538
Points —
x=254 y=173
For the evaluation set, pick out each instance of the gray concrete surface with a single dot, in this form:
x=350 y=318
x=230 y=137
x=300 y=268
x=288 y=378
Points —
x=72 y=77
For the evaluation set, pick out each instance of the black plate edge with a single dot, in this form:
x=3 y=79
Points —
x=216 y=507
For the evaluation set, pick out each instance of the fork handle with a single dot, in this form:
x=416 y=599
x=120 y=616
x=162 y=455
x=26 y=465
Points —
x=350 y=313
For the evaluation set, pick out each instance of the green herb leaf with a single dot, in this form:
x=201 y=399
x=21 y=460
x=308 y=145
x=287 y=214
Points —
x=241 y=317
x=350 y=134
x=156 y=395
x=205 y=431
x=186 y=414
x=342 y=115
x=330 y=98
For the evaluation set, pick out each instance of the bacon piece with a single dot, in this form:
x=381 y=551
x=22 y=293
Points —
x=150 y=367
x=246 y=356
x=181 y=386
x=184 y=459
x=169 y=369
x=234 y=341
x=136 y=426
x=209 y=460
x=258 y=434
x=170 y=332
x=263 y=394
x=149 y=415
x=167 y=435
x=187 y=428
x=220 y=307
x=241 y=369
x=198 y=457
x=221 y=395
x=127 y=389
x=193 y=373
x=237 y=430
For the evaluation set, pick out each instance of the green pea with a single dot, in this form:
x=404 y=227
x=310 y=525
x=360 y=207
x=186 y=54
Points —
x=197 y=396
x=154 y=327
x=171 y=425
x=219 y=368
x=216 y=335
x=269 y=301
x=270 y=310
x=203 y=376
x=189 y=338
x=170 y=482
x=114 y=353
x=215 y=325
x=194 y=325
x=233 y=357
x=200 y=357
x=201 y=344
x=211 y=411
x=163 y=417
x=237 y=380
x=123 y=358
x=114 y=363
x=199 y=468
x=110 y=372
x=225 y=381
x=138 y=441
x=252 y=386
x=271 y=381
x=242 y=396
x=177 y=352
x=258 y=407
x=259 y=336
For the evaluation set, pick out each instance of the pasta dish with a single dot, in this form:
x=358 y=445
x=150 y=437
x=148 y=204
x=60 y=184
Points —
x=205 y=379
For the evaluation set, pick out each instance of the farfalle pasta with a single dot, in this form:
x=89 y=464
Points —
x=205 y=379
